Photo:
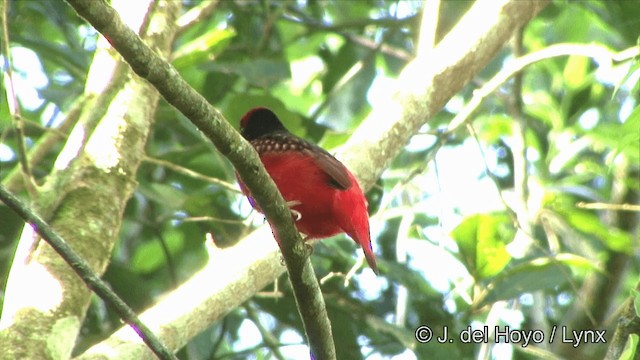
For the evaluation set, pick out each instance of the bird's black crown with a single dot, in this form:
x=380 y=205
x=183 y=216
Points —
x=259 y=122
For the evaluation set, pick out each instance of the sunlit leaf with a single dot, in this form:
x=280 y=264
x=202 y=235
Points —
x=576 y=70
x=203 y=48
x=630 y=347
x=482 y=241
x=589 y=223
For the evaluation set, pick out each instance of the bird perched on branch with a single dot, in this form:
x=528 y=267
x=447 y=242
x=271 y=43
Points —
x=323 y=194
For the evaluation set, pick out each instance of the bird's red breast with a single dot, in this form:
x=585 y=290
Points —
x=325 y=193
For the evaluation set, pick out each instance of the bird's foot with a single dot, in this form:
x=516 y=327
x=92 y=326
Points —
x=297 y=215
x=309 y=249
x=308 y=245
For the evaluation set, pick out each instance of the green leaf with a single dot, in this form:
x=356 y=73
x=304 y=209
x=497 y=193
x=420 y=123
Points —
x=150 y=256
x=262 y=73
x=578 y=262
x=635 y=67
x=538 y=274
x=635 y=294
x=629 y=352
x=163 y=194
x=545 y=107
x=622 y=137
x=575 y=72
x=494 y=127
x=482 y=242
x=590 y=224
x=203 y=48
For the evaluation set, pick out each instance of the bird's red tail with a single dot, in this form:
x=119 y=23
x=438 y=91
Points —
x=355 y=220
x=363 y=238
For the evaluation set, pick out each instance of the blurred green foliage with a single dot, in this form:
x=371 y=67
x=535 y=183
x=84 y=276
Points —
x=314 y=63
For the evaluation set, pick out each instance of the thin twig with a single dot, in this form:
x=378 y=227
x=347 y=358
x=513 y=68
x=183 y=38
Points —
x=512 y=213
x=157 y=230
x=330 y=276
x=269 y=340
x=219 y=339
x=357 y=39
x=606 y=206
x=386 y=49
x=599 y=52
x=46 y=142
x=209 y=219
x=84 y=271
x=345 y=25
x=195 y=15
x=514 y=218
x=193 y=174
x=14 y=106
x=350 y=75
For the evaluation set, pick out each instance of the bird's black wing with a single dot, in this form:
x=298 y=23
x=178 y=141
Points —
x=330 y=165
x=281 y=141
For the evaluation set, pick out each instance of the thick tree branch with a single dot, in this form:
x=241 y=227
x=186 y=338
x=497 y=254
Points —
x=628 y=324
x=13 y=181
x=90 y=278
x=207 y=296
x=427 y=83
x=83 y=199
x=209 y=308
x=148 y=65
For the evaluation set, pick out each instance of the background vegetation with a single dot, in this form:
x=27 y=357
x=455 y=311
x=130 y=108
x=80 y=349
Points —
x=523 y=214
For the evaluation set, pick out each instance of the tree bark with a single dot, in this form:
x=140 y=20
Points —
x=366 y=153
x=84 y=198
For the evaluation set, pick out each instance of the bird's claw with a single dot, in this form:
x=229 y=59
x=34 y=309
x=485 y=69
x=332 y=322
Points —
x=309 y=249
x=297 y=215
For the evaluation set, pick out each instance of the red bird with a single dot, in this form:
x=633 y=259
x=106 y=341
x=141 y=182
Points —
x=322 y=192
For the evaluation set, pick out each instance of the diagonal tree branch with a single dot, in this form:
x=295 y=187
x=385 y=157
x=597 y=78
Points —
x=249 y=266
x=445 y=78
x=148 y=65
x=82 y=268
x=428 y=82
x=83 y=199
